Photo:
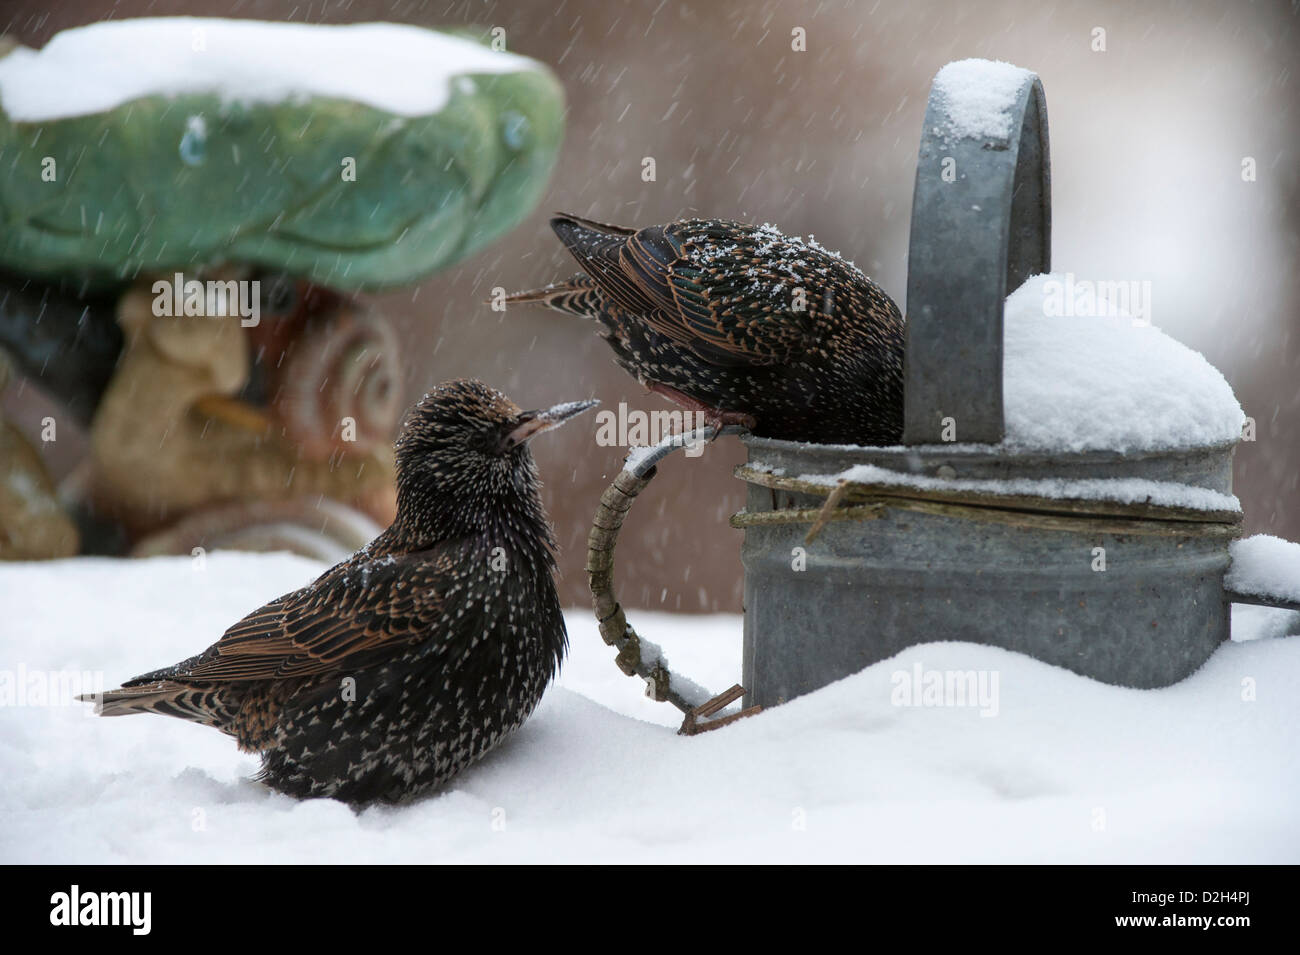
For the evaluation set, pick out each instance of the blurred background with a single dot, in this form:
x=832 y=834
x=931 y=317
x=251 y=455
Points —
x=1147 y=138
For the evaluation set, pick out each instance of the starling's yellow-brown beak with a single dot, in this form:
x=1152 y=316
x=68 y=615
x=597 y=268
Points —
x=533 y=423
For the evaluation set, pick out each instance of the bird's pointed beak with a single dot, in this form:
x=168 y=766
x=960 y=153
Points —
x=533 y=423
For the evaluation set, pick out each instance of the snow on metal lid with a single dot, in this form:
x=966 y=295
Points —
x=402 y=69
x=1104 y=380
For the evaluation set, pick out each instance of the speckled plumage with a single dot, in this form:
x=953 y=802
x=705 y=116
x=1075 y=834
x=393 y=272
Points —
x=401 y=665
x=742 y=320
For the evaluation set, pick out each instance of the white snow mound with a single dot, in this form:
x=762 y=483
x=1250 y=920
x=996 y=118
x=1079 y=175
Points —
x=1061 y=769
x=1076 y=382
x=1265 y=566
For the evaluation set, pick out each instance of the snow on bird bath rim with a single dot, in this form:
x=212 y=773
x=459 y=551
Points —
x=402 y=69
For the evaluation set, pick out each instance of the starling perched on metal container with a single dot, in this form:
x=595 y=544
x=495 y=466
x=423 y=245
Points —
x=742 y=323
x=422 y=651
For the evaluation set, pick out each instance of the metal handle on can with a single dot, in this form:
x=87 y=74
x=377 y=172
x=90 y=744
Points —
x=981 y=225
x=636 y=655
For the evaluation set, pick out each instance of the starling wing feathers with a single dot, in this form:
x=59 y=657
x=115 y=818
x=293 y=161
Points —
x=354 y=614
x=714 y=287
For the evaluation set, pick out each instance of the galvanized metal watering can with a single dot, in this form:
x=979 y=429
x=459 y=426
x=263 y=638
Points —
x=1109 y=561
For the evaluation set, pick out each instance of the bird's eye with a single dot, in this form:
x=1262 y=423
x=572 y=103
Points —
x=485 y=442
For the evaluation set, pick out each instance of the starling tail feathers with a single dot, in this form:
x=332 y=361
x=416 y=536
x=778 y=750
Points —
x=197 y=705
x=578 y=296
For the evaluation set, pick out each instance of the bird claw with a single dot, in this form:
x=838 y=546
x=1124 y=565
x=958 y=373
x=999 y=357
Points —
x=714 y=418
x=717 y=420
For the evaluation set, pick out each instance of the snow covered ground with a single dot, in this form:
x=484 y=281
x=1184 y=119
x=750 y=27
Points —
x=1061 y=769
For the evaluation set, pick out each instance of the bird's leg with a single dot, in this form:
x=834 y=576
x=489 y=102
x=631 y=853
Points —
x=713 y=417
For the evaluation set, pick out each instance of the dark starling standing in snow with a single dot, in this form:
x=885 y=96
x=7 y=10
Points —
x=419 y=653
x=742 y=323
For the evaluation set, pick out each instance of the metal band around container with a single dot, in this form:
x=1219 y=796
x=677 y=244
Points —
x=857 y=501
